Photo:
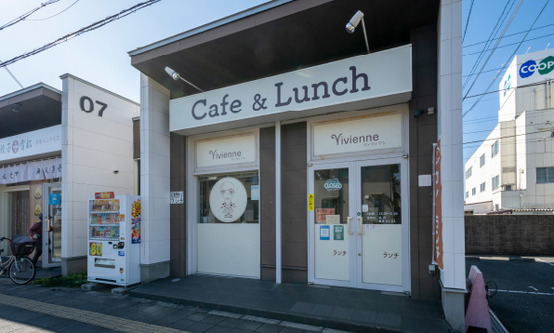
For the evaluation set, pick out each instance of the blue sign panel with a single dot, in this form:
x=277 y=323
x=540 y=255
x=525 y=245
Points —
x=54 y=199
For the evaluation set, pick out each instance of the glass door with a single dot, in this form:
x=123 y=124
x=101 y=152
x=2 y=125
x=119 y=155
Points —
x=52 y=225
x=358 y=228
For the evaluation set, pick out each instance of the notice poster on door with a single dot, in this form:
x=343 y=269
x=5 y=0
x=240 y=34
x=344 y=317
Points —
x=321 y=213
x=324 y=232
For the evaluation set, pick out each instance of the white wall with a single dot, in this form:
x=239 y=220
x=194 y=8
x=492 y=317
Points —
x=154 y=156
x=483 y=173
x=93 y=147
x=450 y=133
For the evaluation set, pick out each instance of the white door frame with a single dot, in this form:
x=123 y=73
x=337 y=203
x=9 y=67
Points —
x=46 y=189
x=354 y=167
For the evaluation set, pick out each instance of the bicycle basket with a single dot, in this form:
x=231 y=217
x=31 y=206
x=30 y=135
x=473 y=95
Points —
x=22 y=245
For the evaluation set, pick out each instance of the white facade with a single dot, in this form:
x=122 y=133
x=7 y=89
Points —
x=507 y=171
x=94 y=144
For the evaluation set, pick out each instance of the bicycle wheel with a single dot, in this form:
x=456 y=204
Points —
x=22 y=270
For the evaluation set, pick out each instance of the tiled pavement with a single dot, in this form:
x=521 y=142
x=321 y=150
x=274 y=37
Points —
x=213 y=304
x=338 y=308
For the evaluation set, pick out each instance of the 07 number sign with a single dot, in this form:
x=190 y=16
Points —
x=87 y=105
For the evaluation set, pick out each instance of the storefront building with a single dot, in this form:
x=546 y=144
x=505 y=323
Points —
x=57 y=148
x=286 y=151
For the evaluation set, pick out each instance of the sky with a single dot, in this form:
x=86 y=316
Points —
x=101 y=56
x=485 y=14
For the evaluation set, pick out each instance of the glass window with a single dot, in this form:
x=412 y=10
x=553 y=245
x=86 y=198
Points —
x=229 y=198
x=495 y=182
x=545 y=175
x=494 y=149
x=381 y=199
x=468 y=172
x=482 y=160
x=473 y=191
x=331 y=195
x=467 y=194
x=482 y=187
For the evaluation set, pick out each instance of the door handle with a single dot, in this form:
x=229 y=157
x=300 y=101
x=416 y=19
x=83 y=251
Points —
x=361 y=226
x=348 y=219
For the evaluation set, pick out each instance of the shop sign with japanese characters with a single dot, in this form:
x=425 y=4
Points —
x=41 y=141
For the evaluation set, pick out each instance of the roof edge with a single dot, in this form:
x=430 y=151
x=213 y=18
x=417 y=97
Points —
x=209 y=26
x=28 y=89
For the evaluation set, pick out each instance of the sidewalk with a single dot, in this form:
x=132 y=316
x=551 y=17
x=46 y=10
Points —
x=333 y=307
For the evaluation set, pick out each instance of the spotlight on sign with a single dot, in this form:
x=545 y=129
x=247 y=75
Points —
x=176 y=76
x=353 y=23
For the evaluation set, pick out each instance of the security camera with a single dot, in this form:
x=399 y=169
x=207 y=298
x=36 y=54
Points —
x=354 y=21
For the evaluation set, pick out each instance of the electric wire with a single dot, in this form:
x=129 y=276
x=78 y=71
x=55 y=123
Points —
x=500 y=19
x=512 y=17
x=467 y=20
x=29 y=13
x=13 y=77
x=511 y=56
x=503 y=46
x=88 y=28
x=499 y=90
x=49 y=17
x=510 y=35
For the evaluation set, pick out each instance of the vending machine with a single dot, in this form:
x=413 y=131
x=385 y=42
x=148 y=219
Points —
x=114 y=239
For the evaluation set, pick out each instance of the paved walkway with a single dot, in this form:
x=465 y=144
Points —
x=32 y=308
x=339 y=308
x=212 y=304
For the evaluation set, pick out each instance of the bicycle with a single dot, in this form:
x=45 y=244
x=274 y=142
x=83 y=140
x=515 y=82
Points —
x=21 y=270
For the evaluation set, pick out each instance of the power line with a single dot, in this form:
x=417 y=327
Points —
x=88 y=28
x=47 y=18
x=512 y=17
x=493 y=32
x=13 y=77
x=513 y=54
x=467 y=21
x=495 y=91
x=510 y=35
x=503 y=46
x=29 y=13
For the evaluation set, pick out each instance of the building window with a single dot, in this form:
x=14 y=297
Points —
x=482 y=187
x=473 y=191
x=467 y=194
x=494 y=149
x=228 y=198
x=468 y=172
x=482 y=160
x=495 y=182
x=545 y=175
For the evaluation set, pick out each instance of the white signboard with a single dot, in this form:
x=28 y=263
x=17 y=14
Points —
x=374 y=75
x=228 y=199
x=357 y=134
x=535 y=67
x=45 y=140
x=226 y=151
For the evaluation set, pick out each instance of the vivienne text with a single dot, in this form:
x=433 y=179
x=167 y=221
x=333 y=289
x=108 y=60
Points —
x=352 y=83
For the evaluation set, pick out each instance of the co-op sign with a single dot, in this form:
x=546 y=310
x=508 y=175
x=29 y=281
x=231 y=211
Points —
x=386 y=74
x=532 y=67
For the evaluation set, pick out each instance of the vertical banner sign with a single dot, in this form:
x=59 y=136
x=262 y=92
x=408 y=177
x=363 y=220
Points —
x=437 y=200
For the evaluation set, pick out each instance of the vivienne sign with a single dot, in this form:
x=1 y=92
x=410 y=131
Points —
x=354 y=79
x=45 y=140
x=226 y=151
x=358 y=134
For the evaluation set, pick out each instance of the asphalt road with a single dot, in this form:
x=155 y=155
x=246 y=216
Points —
x=32 y=308
x=524 y=301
